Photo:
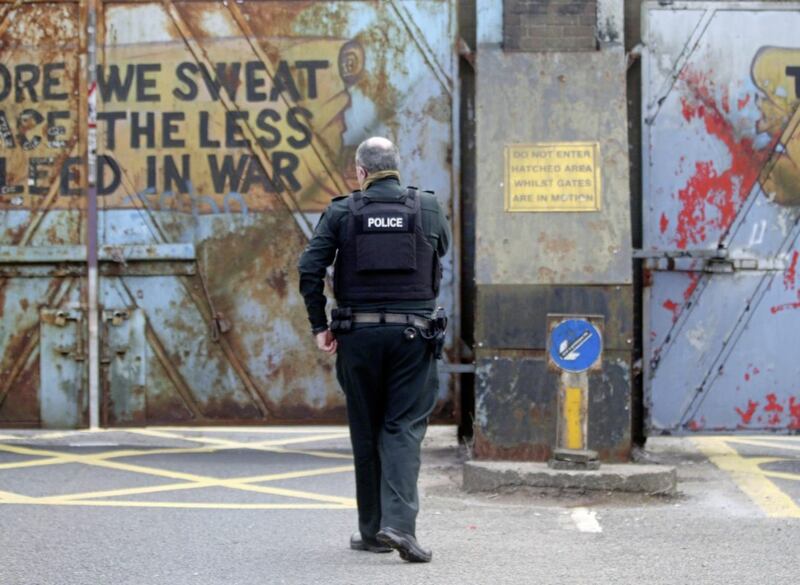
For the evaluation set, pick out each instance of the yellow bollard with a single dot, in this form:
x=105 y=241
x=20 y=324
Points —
x=573 y=419
x=574 y=349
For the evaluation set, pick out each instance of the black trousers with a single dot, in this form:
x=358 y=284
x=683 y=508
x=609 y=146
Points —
x=390 y=384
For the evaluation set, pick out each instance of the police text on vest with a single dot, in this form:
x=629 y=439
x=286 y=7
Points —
x=385 y=222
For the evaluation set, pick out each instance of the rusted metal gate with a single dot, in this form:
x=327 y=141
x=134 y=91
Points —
x=222 y=129
x=722 y=203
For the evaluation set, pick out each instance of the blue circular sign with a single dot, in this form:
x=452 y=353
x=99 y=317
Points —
x=575 y=345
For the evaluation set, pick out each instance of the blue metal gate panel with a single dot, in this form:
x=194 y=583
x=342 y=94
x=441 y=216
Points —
x=42 y=365
x=223 y=130
x=720 y=118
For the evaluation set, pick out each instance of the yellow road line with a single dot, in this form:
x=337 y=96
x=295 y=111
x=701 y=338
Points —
x=218 y=445
x=244 y=430
x=59 y=434
x=750 y=478
x=186 y=480
x=772 y=437
x=99 y=461
x=764 y=443
x=31 y=463
x=230 y=444
x=783 y=475
x=323 y=454
x=6 y=496
x=186 y=505
x=204 y=484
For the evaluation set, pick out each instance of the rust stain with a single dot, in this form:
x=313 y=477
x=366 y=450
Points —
x=484 y=448
x=547 y=275
x=226 y=407
x=21 y=404
x=166 y=407
x=556 y=246
x=247 y=272
x=277 y=280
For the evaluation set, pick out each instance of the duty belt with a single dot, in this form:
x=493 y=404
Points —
x=392 y=318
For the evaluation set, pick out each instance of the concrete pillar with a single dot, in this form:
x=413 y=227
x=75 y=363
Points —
x=550 y=78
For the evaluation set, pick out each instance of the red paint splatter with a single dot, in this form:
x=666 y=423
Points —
x=775 y=419
x=726 y=100
x=697 y=426
x=664 y=223
x=724 y=190
x=790 y=276
x=743 y=102
x=694 y=278
x=794 y=413
x=772 y=404
x=747 y=415
x=750 y=371
x=789 y=283
x=673 y=307
x=778 y=308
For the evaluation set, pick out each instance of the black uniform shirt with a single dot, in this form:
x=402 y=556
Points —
x=321 y=252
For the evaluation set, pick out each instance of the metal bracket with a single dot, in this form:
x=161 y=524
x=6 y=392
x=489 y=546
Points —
x=709 y=261
x=116 y=316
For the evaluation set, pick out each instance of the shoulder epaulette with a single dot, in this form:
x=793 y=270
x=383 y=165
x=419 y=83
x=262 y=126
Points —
x=340 y=197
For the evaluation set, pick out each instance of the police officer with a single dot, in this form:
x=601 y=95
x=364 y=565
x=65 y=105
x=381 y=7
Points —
x=386 y=241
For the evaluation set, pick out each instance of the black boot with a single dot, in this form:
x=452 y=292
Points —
x=406 y=544
x=357 y=542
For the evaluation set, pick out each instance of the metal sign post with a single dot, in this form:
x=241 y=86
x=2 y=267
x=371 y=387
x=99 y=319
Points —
x=92 y=223
x=575 y=346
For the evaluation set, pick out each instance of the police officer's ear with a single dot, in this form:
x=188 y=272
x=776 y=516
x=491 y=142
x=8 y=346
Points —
x=361 y=174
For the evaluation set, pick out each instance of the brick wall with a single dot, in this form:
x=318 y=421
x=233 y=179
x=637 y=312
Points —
x=549 y=25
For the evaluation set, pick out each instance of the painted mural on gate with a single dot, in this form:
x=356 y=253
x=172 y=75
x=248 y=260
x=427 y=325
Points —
x=163 y=126
x=223 y=129
x=747 y=127
x=175 y=134
x=722 y=188
x=776 y=73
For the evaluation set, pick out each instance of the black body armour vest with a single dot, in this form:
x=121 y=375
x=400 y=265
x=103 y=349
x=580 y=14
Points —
x=384 y=254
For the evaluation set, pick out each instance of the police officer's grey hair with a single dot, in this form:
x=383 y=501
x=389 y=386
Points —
x=377 y=154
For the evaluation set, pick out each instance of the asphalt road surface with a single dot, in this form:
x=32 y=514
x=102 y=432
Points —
x=263 y=506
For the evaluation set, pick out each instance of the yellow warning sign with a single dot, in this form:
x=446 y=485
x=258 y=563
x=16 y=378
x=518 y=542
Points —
x=552 y=177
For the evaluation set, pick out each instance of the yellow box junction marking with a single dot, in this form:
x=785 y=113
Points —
x=749 y=476
x=573 y=397
x=553 y=177
x=186 y=481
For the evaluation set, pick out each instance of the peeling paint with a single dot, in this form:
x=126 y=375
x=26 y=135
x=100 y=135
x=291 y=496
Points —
x=225 y=336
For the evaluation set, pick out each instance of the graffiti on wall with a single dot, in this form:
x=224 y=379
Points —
x=166 y=129
x=767 y=152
